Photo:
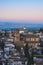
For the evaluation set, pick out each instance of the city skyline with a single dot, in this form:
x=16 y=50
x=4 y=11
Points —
x=21 y=10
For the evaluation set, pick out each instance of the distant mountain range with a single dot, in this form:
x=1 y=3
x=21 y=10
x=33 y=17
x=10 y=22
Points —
x=13 y=25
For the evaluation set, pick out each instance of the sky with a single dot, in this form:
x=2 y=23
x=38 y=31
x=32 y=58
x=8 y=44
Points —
x=21 y=10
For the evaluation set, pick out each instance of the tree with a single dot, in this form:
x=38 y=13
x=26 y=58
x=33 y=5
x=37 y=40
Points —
x=0 y=63
x=26 y=51
x=2 y=46
x=32 y=60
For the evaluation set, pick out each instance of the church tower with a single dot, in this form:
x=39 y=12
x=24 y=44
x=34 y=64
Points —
x=16 y=36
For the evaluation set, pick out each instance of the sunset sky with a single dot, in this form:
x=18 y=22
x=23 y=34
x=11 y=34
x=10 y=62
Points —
x=21 y=10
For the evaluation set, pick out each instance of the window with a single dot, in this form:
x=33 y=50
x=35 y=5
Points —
x=32 y=39
x=37 y=39
x=27 y=39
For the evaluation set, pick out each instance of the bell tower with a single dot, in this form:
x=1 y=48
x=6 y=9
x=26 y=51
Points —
x=16 y=36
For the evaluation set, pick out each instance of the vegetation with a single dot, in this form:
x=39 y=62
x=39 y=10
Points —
x=2 y=45
x=30 y=58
